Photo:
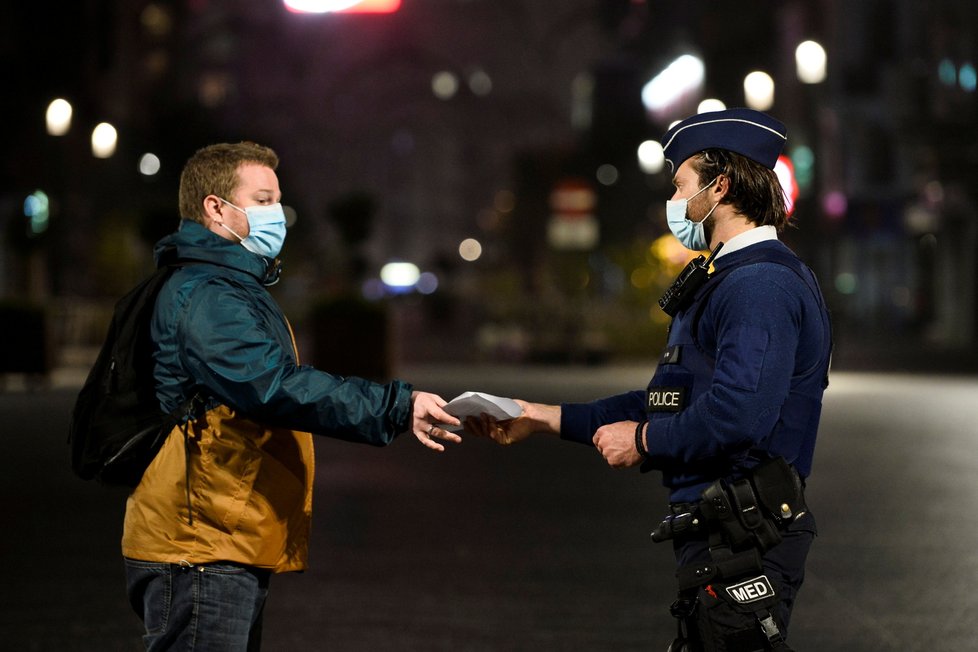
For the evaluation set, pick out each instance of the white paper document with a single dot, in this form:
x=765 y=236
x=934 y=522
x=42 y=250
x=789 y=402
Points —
x=472 y=404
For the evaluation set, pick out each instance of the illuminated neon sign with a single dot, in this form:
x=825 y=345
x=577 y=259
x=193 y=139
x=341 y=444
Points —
x=342 y=6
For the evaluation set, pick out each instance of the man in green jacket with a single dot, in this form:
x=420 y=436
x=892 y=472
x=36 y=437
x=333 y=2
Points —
x=228 y=500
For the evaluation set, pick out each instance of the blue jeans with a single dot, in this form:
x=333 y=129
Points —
x=199 y=608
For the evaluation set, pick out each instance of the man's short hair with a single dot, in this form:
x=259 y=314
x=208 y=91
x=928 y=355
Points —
x=755 y=190
x=213 y=170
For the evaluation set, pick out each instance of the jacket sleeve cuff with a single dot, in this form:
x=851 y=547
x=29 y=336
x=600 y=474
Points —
x=575 y=423
x=400 y=412
x=655 y=443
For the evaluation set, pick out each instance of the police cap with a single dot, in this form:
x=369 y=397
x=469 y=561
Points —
x=750 y=133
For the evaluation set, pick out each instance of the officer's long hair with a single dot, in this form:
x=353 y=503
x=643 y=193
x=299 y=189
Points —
x=755 y=191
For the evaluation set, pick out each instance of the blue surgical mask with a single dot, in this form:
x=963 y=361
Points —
x=690 y=234
x=266 y=229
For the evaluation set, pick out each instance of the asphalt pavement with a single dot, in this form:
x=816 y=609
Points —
x=538 y=546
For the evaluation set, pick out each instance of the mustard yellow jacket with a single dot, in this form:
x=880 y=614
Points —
x=250 y=496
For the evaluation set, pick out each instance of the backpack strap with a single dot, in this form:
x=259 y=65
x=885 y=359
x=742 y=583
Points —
x=187 y=412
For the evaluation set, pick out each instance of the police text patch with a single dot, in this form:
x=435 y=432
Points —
x=752 y=590
x=666 y=399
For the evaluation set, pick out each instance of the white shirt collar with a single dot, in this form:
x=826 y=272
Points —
x=748 y=238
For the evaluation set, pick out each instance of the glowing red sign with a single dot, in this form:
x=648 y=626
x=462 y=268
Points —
x=342 y=6
x=786 y=175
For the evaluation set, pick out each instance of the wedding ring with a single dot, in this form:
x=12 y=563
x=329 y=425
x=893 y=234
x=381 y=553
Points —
x=430 y=429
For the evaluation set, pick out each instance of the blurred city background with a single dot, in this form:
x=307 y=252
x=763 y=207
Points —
x=479 y=180
x=476 y=182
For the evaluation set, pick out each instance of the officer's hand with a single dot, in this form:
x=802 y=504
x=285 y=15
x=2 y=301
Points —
x=616 y=443
x=536 y=418
x=426 y=412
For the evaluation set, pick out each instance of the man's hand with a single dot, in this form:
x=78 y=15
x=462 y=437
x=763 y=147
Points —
x=616 y=443
x=426 y=412
x=536 y=417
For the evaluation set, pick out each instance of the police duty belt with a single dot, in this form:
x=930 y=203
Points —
x=743 y=519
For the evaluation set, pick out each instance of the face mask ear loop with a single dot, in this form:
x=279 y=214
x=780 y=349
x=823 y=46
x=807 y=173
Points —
x=707 y=216
x=241 y=210
x=714 y=205
x=705 y=187
x=240 y=239
x=226 y=227
x=703 y=221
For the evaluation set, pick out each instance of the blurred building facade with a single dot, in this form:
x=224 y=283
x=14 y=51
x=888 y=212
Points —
x=458 y=119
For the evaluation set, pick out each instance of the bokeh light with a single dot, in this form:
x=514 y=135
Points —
x=810 y=62
x=759 y=90
x=104 y=140
x=607 y=174
x=444 y=85
x=470 y=249
x=37 y=209
x=650 y=157
x=427 y=283
x=710 y=104
x=679 y=78
x=149 y=164
x=399 y=275
x=58 y=117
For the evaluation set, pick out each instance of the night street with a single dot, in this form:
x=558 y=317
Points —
x=534 y=547
x=480 y=195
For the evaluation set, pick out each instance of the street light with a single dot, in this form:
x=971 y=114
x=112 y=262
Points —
x=810 y=62
x=676 y=82
x=759 y=90
x=650 y=157
x=710 y=104
x=58 y=117
x=400 y=276
x=104 y=140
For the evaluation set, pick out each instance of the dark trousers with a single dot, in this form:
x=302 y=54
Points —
x=719 y=625
x=205 y=607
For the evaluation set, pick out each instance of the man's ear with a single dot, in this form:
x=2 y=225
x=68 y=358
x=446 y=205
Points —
x=213 y=207
x=720 y=188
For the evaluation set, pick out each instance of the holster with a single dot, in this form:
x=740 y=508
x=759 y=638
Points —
x=780 y=490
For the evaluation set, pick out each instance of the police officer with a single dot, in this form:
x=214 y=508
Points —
x=736 y=394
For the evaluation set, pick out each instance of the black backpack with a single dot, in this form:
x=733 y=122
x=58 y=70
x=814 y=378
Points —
x=117 y=426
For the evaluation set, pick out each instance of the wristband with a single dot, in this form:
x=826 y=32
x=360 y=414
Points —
x=639 y=446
